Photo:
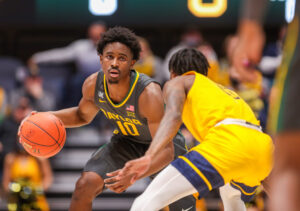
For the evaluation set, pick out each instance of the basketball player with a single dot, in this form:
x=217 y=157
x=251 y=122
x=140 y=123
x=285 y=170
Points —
x=284 y=116
x=233 y=149
x=133 y=102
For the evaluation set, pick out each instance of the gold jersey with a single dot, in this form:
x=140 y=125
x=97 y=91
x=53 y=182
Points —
x=208 y=103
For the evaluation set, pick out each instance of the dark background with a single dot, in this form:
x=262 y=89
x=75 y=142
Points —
x=27 y=26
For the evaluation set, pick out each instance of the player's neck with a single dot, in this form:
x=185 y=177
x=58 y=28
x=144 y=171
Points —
x=117 y=92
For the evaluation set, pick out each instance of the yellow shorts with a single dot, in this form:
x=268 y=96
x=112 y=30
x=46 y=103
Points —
x=229 y=154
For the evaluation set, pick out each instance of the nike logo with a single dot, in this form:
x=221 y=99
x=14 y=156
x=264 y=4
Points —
x=102 y=101
x=187 y=209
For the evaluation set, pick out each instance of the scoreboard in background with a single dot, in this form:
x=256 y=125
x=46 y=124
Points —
x=208 y=13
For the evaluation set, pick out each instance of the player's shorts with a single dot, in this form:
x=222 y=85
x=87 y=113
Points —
x=113 y=155
x=231 y=154
x=285 y=106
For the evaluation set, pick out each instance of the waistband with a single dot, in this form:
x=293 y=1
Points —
x=241 y=122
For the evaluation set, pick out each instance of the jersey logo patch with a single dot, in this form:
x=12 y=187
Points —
x=130 y=108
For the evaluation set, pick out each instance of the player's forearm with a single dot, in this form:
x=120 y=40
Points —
x=161 y=160
x=253 y=10
x=71 y=117
x=167 y=130
x=251 y=18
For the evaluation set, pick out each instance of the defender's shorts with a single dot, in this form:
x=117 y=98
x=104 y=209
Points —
x=229 y=154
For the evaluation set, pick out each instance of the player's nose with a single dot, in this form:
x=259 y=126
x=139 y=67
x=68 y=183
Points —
x=115 y=63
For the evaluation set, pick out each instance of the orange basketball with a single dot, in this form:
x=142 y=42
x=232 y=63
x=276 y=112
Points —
x=42 y=135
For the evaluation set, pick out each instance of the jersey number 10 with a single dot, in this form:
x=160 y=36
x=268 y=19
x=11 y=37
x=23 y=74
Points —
x=128 y=128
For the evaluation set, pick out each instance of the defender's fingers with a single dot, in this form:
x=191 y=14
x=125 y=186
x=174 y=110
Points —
x=114 y=173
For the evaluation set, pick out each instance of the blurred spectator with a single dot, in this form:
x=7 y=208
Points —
x=27 y=172
x=9 y=66
x=249 y=91
x=148 y=63
x=9 y=127
x=82 y=52
x=2 y=116
x=191 y=38
x=225 y=63
x=3 y=106
x=32 y=88
x=20 y=169
x=270 y=61
x=24 y=180
x=212 y=58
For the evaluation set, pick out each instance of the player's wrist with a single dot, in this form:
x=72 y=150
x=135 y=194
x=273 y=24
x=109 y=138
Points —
x=149 y=155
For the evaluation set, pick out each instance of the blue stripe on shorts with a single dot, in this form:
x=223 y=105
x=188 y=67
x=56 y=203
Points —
x=204 y=167
x=247 y=192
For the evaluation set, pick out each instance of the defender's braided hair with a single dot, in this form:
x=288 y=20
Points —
x=188 y=59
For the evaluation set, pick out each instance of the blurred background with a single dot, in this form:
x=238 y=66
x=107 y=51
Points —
x=47 y=49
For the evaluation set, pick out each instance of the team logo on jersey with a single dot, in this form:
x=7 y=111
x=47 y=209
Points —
x=132 y=114
x=101 y=94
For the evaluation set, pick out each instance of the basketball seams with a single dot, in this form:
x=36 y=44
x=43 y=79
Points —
x=35 y=142
x=42 y=129
x=54 y=121
x=46 y=150
x=58 y=143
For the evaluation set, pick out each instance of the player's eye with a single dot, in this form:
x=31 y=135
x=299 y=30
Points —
x=122 y=58
x=109 y=57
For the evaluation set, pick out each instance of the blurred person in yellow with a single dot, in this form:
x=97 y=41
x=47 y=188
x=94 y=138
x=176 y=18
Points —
x=24 y=176
x=249 y=91
x=3 y=105
x=233 y=155
x=148 y=63
x=212 y=58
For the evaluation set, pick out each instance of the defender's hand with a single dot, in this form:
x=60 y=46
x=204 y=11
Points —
x=248 y=51
x=117 y=184
x=137 y=168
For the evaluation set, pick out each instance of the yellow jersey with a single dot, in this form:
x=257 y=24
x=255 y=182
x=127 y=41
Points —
x=25 y=166
x=208 y=103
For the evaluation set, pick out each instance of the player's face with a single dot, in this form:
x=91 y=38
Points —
x=116 y=62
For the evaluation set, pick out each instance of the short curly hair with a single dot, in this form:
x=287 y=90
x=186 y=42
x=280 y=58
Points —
x=188 y=59
x=122 y=35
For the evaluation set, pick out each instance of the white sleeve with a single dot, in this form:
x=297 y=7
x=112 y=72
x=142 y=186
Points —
x=59 y=55
x=269 y=64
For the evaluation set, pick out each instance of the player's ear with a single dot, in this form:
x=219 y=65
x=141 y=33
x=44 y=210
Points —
x=172 y=74
x=101 y=58
x=132 y=63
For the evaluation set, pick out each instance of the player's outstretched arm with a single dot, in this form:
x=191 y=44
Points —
x=151 y=103
x=175 y=95
x=85 y=112
x=251 y=41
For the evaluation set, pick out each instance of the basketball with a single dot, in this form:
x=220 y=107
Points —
x=42 y=135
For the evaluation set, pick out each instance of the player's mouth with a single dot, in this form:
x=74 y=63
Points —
x=114 y=73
